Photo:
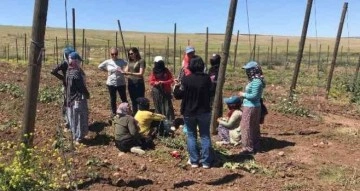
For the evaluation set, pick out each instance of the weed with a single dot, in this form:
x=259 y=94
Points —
x=12 y=89
x=249 y=166
x=335 y=174
x=292 y=186
x=178 y=142
x=292 y=107
x=9 y=124
x=49 y=94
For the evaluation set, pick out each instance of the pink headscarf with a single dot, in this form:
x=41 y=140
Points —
x=123 y=108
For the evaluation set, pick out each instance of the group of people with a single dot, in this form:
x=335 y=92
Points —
x=136 y=126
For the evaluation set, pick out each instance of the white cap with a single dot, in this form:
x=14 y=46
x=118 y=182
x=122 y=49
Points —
x=158 y=58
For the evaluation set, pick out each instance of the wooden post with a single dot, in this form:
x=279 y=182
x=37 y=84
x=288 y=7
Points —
x=107 y=50
x=271 y=52
x=188 y=42
x=116 y=40
x=341 y=54
x=83 y=45
x=57 y=50
x=236 y=46
x=17 y=51
x=258 y=54
x=25 y=48
x=174 y=60
x=34 y=69
x=66 y=22
x=254 y=48
x=86 y=51
x=222 y=70
x=144 y=47
x=309 y=56
x=122 y=39
x=8 y=52
x=167 y=50
x=206 y=46
x=338 y=38
x=276 y=53
x=74 y=33
x=301 y=49
x=319 y=68
x=287 y=54
x=356 y=74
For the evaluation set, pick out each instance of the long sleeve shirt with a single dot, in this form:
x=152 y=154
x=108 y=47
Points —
x=233 y=122
x=166 y=78
x=62 y=67
x=144 y=119
x=195 y=94
x=115 y=77
x=253 y=93
x=125 y=128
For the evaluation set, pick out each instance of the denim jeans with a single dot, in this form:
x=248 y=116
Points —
x=203 y=122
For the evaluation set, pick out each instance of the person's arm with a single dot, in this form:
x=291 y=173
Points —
x=232 y=121
x=153 y=80
x=103 y=66
x=80 y=85
x=255 y=87
x=56 y=70
x=157 y=117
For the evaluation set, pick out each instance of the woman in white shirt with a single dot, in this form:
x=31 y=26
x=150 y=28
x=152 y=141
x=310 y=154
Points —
x=116 y=79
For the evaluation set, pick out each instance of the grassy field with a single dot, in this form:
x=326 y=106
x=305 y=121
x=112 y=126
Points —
x=98 y=41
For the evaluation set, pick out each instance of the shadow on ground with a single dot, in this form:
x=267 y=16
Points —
x=269 y=143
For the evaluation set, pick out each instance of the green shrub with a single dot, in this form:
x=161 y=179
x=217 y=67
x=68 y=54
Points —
x=49 y=94
x=12 y=89
x=287 y=106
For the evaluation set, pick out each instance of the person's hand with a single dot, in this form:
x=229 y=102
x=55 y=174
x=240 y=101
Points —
x=120 y=70
x=218 y=119
x=241 y=94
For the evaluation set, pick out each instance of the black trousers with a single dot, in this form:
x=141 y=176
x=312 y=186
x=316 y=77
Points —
x=122 y=93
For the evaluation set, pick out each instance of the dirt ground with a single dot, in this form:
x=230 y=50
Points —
x=298 y=153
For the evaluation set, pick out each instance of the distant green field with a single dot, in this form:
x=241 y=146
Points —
x=97 y=42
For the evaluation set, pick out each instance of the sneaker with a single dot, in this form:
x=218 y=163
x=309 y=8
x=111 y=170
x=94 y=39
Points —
x=192 y=165
x=206 y=166
x=137 y=150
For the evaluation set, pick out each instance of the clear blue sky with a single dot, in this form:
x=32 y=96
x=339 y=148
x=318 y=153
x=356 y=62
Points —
x=274 y=17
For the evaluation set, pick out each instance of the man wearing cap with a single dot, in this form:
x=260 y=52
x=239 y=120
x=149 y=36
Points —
x=250 y=123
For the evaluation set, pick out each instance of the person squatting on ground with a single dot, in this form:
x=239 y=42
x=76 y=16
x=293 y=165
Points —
x=148 y=121
x=116 y=79
x=250 y=122
x=60 y=72
x=76 y=98
x=160 y=80
x=213 y=72
x=135 y=71
x=195 y=107
x=229 y=126
x=127 y=136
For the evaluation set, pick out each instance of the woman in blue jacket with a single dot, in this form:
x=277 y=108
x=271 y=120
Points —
x=250 y=122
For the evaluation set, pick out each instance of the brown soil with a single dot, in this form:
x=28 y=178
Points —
x=298 y=153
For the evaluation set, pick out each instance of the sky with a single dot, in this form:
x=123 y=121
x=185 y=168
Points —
x=267 y=17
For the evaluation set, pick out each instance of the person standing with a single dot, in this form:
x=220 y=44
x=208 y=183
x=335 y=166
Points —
x=184 y=71
x=135 y=72
x=250 y=122
x=60 y=72
x=160 y=80
x=116 y=79
x=76 y=98
x=195 y=107
x=214 y=73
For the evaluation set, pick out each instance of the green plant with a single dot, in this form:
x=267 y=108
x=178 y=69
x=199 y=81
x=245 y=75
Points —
x=287 y=106
x=26 y=171
x=292 y=186
x=49 y=94
x=12 y=89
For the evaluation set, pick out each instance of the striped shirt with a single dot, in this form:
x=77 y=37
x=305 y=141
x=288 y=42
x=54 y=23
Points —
x=253 y=92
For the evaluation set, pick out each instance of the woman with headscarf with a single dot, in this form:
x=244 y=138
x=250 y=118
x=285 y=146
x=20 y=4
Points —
x=160 y=81
x=127 y=136
x=135 y=72
x=250 y=122
x=76 y=98
x=214 y=73
x=60 y=72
